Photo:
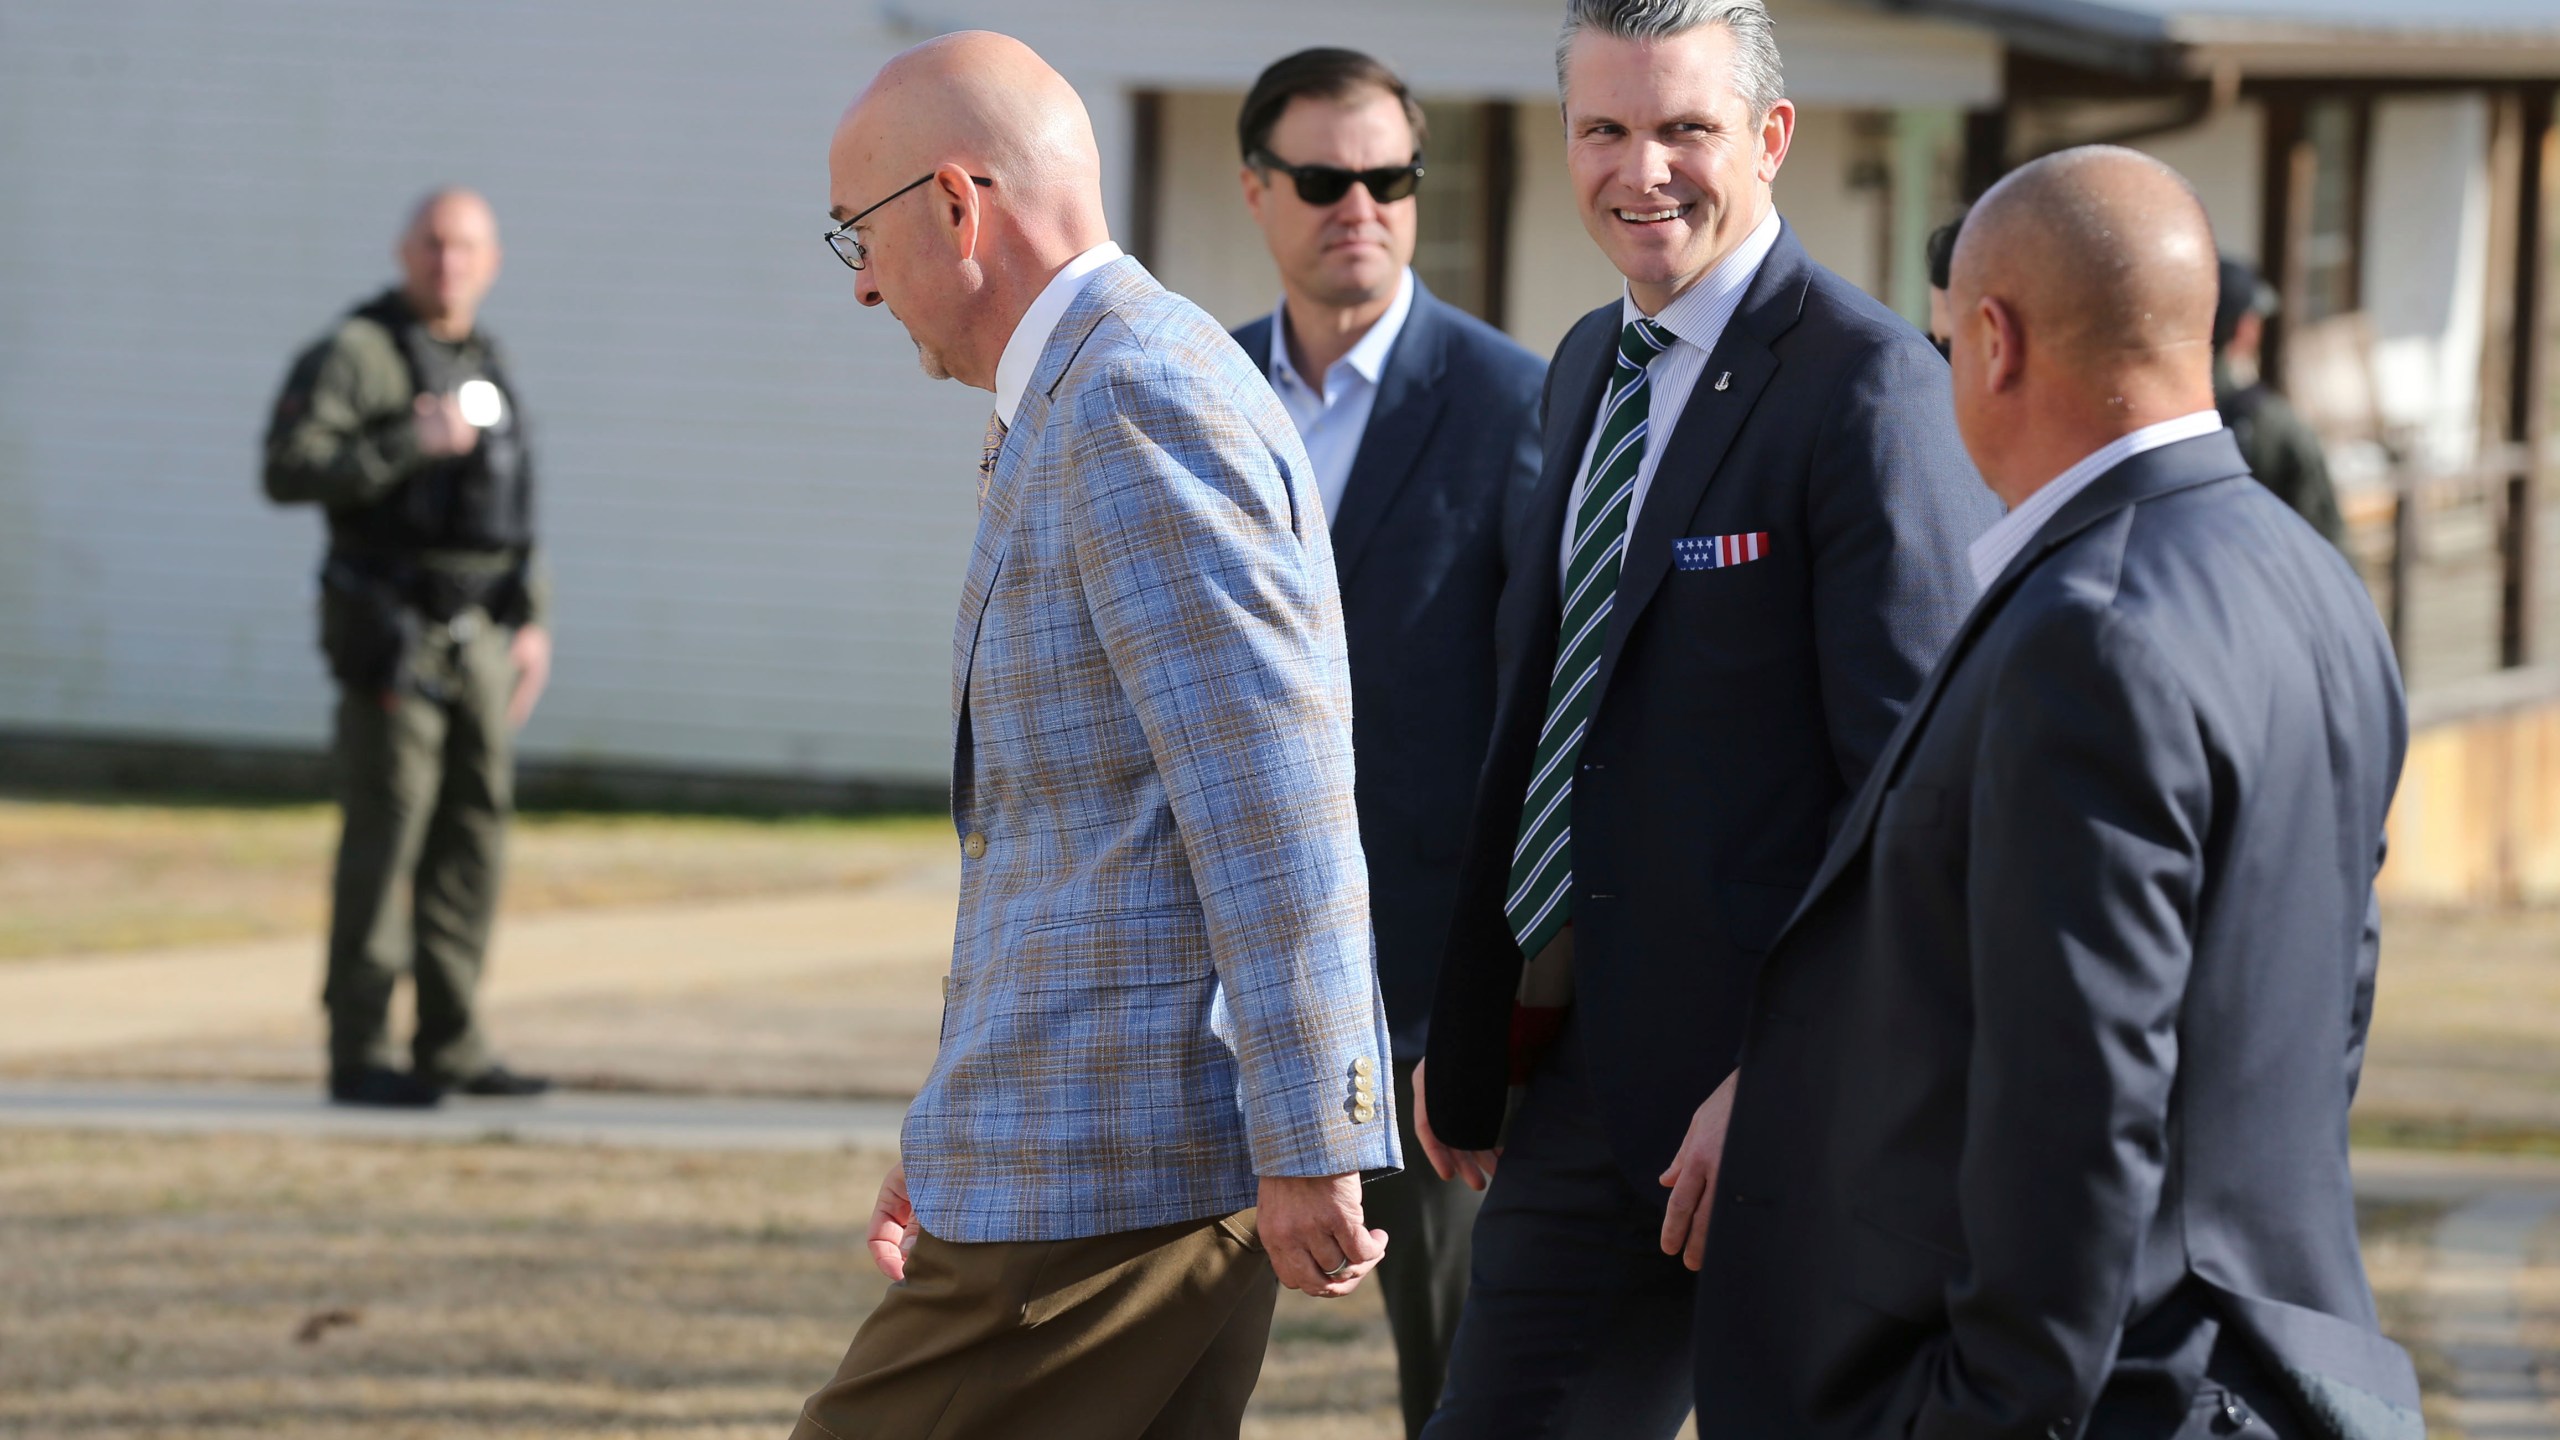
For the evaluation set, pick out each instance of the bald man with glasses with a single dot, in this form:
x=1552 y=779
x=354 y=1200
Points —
x=1161 y=1081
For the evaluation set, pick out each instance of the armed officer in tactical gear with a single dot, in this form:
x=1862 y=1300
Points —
x=402 y=427
x=2280 y=446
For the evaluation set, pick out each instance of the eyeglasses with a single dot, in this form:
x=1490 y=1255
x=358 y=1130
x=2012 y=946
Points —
x=850 y=249
x=1325 y=184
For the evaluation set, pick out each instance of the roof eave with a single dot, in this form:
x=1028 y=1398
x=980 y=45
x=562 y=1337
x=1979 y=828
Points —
x=2108 y=40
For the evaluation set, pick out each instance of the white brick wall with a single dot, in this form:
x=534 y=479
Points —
x=757 y=510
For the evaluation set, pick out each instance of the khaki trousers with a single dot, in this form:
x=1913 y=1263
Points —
x=1152 y=1334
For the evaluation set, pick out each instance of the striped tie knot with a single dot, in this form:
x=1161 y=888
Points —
x=1640 y=341
x=1540 y=901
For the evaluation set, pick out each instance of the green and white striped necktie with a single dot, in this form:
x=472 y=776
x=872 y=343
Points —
x=1539 y=901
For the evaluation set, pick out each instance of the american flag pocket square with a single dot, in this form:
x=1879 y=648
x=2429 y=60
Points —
x=1714 y=552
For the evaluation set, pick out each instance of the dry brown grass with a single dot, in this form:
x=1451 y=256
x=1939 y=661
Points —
x=156 y=1287
x=2466 y=1031
x=83 y=877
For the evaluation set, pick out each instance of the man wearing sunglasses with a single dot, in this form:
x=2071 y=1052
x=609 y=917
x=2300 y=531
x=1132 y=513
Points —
x=1421 y=422
x=1161 y=1072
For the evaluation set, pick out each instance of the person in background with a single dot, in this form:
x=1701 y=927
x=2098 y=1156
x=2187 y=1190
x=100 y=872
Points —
x=1942 y=255
x=1422 y=424
x=1744 y=553
x=402 y=426
x=2280 y=447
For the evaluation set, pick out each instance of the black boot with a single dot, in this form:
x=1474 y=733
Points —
x=505 y=1084
x=383 y=1087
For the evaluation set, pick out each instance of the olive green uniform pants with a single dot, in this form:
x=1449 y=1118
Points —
x=426 y=783
x=1153 y=1334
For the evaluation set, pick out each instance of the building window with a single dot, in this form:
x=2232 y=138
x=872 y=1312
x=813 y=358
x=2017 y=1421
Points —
x=2335 y=131
x=1461 y=237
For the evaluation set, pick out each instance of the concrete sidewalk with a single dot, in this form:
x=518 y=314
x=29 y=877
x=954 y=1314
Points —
x=836 y=993
x=87 y=1003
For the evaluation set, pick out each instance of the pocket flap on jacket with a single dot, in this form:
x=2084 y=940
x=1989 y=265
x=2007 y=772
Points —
x=2347 y=1379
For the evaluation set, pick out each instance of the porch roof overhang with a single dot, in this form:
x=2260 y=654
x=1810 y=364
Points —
x=2372 y=40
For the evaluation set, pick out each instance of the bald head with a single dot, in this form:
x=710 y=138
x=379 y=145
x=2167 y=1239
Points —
x=2082 y=296
x=1013 y=191
x=2100 y=249
x=448 y=259
x=988 y=103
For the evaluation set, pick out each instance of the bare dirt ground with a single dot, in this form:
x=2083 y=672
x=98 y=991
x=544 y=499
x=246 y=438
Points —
x=2466 y=1031
x=157 y=1286
x=82 y=877
x=292 y=1290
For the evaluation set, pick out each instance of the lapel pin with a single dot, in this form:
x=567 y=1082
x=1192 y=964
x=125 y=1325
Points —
x=1724 y=380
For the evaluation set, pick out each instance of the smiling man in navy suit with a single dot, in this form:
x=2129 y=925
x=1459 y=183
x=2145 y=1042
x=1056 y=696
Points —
x=1422 y=425
x=1746 y=550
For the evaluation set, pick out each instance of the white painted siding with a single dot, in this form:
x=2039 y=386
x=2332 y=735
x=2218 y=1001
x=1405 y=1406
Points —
x=756 y=509
x=2223 y=158
x=2426 y=262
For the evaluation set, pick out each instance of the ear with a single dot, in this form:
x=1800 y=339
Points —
x=1254 y=191
x=1777 y=131
x=2004 y=363
x=957 y=203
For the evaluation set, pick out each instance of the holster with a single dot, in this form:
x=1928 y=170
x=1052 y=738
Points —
x=368 y=629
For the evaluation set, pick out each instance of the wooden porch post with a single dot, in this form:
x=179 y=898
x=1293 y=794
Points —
x=2285 y=176
x=2528 y=376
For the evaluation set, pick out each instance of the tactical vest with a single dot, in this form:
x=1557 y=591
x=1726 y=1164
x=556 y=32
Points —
x=480 y=501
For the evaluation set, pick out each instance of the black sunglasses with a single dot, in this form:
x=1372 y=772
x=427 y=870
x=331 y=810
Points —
x=1325 y=184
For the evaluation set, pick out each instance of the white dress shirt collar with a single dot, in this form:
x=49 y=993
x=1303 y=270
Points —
x=1031 y=333
x=1697 y=318
x=1367 y=359
x=1996 y=547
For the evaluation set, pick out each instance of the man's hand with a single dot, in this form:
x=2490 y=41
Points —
x=442 y=431
x=893 y=1225
x=1692 y=1177
x=1313 y=1224
x=1473 y=1166
x=531 y=652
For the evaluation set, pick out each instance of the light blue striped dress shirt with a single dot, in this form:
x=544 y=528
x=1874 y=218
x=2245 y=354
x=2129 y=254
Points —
x=1697 y=316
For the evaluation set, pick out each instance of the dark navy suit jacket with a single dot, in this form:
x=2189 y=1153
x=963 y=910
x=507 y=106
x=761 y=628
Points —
x=1442 y=476
x=2046 y=1088
x=1739 y=707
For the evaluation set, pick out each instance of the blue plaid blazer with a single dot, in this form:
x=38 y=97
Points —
x=1162 y=985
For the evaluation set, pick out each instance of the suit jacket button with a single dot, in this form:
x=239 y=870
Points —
x=975 y=846
x=1360 y=1067
x=1363 y=1113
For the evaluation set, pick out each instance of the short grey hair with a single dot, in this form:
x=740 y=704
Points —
x=1756 y=71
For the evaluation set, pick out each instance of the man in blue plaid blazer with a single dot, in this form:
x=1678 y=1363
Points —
x=1163 y=1046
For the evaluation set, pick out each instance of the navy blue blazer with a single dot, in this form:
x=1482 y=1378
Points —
x=1739 y=706
x=2046 y=1088
x=1441 y=479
